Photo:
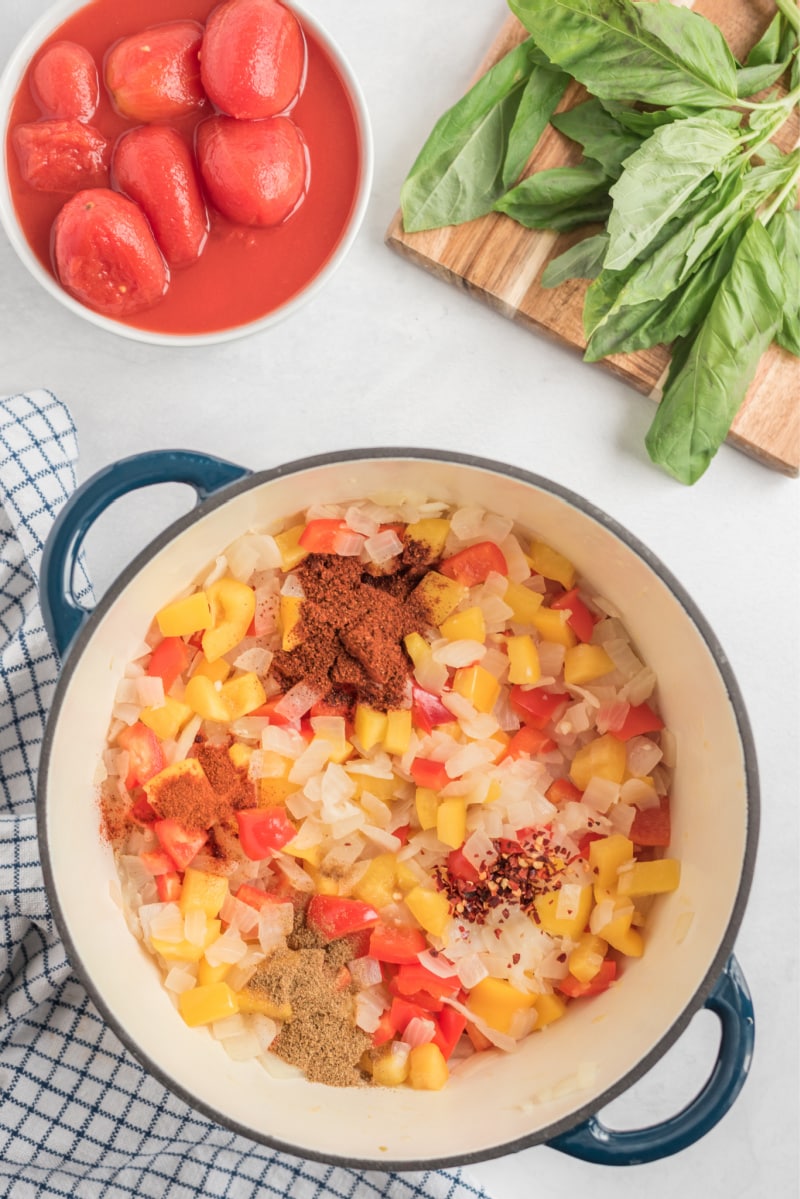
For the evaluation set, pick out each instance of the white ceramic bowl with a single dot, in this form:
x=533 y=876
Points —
x=497 y=1103
x=10 y=81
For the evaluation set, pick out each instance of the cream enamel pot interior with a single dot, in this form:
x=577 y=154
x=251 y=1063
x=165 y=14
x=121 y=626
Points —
x=494 y=1104
x=10 y=80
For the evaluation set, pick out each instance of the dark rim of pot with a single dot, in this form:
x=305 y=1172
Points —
x=588 y=509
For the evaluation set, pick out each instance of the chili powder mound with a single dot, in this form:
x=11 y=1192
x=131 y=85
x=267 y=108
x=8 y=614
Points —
x=351 y=629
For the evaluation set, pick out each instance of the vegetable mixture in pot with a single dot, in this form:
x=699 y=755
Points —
x=387 y=788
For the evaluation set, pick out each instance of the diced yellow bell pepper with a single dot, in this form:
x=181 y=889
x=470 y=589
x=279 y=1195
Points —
x=570 y=924
x=582 y=663
x=548 y=562
x=203 y=698
x=497 y=1001
x=168 y=719
x=432 y=533
x=216 y=671
x=431 y=909
x=405 y=877
x=242 y=694
x=289 y=618
x=340 y=749
x=606 y=855
x=311 y=855
x=650 y=878
x=369 y=726
x=549 y=1008
x=523 y=660
x=523 y=602
x=288 y=543
x=477 y=685
x=427 y=805
x=186 y=951
x=451 y=821
x=233 y=606
x=203 y=890
x=240 y=755
x=397 y=737
x=618 y=931
x=207 y=973
x=416 y=647
x=427 y=1068
x=604 y=758
x=439 y=595
x=551 y=625
x=381 y=788
x=188 y=768
x=390 y=1068
x=249 y=1000
x=377 y=883
x=468 y=625
x=185 y=616
x=203 y=1005
x=587 y=957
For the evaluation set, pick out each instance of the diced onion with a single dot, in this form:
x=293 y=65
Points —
x=382 y=547
x=419 y=1031
x=459 y=653
x=365 y=971
x=298 y=699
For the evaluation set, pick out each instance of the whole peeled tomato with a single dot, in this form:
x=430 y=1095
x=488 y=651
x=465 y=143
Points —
x=61 y=156
x=64 y=82
x=155 y=75
x=253 y=58
x=154 y=166
x=105 y=254
x=255 y=172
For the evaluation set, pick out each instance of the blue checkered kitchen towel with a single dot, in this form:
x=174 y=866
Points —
x=78 y=1115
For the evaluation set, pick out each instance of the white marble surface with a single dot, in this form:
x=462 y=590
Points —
x=389 y=356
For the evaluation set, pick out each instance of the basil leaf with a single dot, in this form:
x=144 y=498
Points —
x=640 y=326
x=458 y=173
x=784 y=230
x=659 y=178
x=655 y=53
x=768 y=47
x=601 y=136
x=703 y=396
x=750 y=80
x=540 y=98
x=560 y=198
x=581 y=261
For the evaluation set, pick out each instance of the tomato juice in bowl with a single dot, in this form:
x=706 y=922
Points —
x=558 y=1076
x=246 y=276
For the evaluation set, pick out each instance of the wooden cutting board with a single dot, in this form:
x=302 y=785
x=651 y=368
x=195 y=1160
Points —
x=501 y=263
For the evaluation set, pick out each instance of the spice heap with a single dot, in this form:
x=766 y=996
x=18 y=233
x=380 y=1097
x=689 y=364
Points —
x=387 y=789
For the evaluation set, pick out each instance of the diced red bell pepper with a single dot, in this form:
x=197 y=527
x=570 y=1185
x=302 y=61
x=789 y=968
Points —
x=338 y=702
x=535 y=706
x=479 y=1041
x=528 y=740
x=562 y=791
x=257 y=898
x=585 y=842
x=571 y=987
x=580 y=619
x=474 y=564
x=145 y=756
x=459 y=866
x=168 y=887
x=640 y=719
x=403 y=1011
x=334 y=916
x=142 y=811
x=423 y=999
x=319 y=536
x=157 y=861
x=450 y=1026
x=385 y=1031
x=427 y=773
x=652 y=826
x=182 y=844
x=427 y=710
x=413 y=977
x=168 y=660
x=268 y=710
x=264 y=831
x=397 y=943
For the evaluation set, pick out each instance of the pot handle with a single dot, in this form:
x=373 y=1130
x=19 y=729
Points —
x=63 y=615
x=593 y=1142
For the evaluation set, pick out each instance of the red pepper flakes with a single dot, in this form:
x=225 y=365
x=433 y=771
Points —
x=521 y=872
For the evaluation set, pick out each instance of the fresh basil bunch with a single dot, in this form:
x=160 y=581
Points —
x=701 y=239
